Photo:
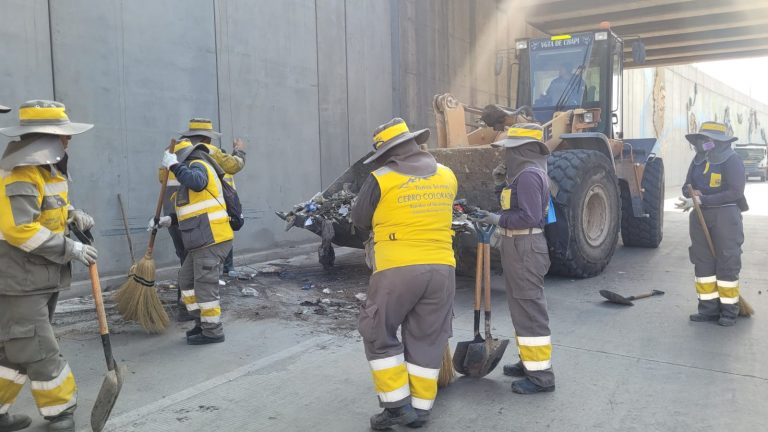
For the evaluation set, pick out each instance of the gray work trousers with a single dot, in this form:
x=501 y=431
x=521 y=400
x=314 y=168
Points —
x=717 y=276
x=418 y=299
x=29 y=350
x=525 y=260
x=199 y=283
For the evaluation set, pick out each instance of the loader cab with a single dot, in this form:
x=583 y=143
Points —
x=581 y=70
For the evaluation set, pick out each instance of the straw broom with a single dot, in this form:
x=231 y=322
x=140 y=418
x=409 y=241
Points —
x=447 y=374
x=137 y=299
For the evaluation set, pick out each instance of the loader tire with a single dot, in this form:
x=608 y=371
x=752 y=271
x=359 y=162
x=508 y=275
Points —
x=588 y=210
x=645 y=232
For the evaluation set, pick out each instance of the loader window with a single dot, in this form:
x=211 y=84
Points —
x=560 y=72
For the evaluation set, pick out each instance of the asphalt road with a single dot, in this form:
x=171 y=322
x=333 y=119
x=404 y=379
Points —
x=642 y=368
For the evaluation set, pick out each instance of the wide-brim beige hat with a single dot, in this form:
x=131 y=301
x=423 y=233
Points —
x=201 y=126
x=521 y=134
x=393 y=133
x=44 y=116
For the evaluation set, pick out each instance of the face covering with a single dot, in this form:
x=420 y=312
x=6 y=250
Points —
x=708 y=145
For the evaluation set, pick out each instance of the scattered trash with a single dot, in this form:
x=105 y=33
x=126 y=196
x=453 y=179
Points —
x=269 y=269
x=308 y=286
x=326 y=301
x=326 y=291
x=249 y=292
x=361 y=296
x=222 y=283
x=307 y=303
x=245 y=276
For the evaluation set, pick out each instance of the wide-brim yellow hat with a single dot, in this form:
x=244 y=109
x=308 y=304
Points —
x=712 y=130
x=201 y=126
x=393 y=133
x=521 y=134
x=44 y=116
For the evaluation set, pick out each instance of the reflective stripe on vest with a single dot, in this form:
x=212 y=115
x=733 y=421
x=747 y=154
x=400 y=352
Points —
x=50 y=188
x=208 y=204
x=412 y=221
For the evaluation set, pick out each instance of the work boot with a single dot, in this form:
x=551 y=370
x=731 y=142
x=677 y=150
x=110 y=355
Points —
x=183 y=315
x=526 y=386
x=422 y=420
x=62 y=423
x=196 y=330
x=697 y=317
x=726 y=321
x=393 y=417
x=10 y=423
x=514 y=370
x=201 y=339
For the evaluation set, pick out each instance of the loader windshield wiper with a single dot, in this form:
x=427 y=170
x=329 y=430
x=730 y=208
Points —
x=574 y=83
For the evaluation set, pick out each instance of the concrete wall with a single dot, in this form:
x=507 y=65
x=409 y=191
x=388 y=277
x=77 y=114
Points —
x=669 y=102
x=303 y=81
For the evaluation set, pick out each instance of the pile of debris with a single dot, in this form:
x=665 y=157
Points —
x=336 y=208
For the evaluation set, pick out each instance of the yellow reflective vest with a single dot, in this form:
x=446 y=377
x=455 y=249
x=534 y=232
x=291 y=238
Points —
x=412 y=220
x=41 y=221
x=202 y=216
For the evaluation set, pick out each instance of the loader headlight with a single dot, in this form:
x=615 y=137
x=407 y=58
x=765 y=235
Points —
x=521 y=44
x=589 y=117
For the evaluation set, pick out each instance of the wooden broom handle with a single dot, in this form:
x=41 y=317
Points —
x=702 y=222
x=159 y=206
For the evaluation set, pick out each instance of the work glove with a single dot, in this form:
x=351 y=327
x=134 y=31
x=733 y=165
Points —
x=81 y=219
x=684 y=204
x=238 y=145
x=486 y=217
x=500 y=175
x=169 y=159
x=163 y=222
x=84 y=253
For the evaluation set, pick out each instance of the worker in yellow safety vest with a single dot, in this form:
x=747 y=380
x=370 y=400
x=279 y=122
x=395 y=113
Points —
x=408 y=206
x=200 y=213
x=35 y=257
x=200 y=130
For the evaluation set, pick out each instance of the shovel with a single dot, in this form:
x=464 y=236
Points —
x=113 y=381
x=627 y=301
x=483 y=355
x=460 y=353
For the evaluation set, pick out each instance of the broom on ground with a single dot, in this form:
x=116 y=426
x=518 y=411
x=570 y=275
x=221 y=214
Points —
x=447 y=374
x=137 y=299
x=745 y=309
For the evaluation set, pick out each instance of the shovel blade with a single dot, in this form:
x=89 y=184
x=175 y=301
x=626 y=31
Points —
x=495 y=351
x=105 y=401
x=460 y=354
x=476 y=357
x=615 y=298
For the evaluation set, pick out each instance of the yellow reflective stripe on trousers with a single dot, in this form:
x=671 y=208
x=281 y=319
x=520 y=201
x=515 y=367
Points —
x=535 y=352
x=728 y=291
x=210 y=312
x=55 y=396
x=390 y=377
x=706 y=288
x=423 y=386
x=189 y=299
x=11 y=383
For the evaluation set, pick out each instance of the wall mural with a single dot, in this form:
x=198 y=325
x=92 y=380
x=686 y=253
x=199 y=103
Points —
x=753 y=122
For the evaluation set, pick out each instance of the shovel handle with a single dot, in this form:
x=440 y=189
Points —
x=702 y=222
x=101 y=314
x=479 y=276
x=640 y=296
x=487 y=283
x=159 y=206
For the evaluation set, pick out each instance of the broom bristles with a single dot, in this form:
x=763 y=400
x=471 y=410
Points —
x=447 y=374
x=137 y=299
x=745 y=309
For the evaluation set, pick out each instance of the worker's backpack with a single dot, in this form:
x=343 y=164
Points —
x=234 y=207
